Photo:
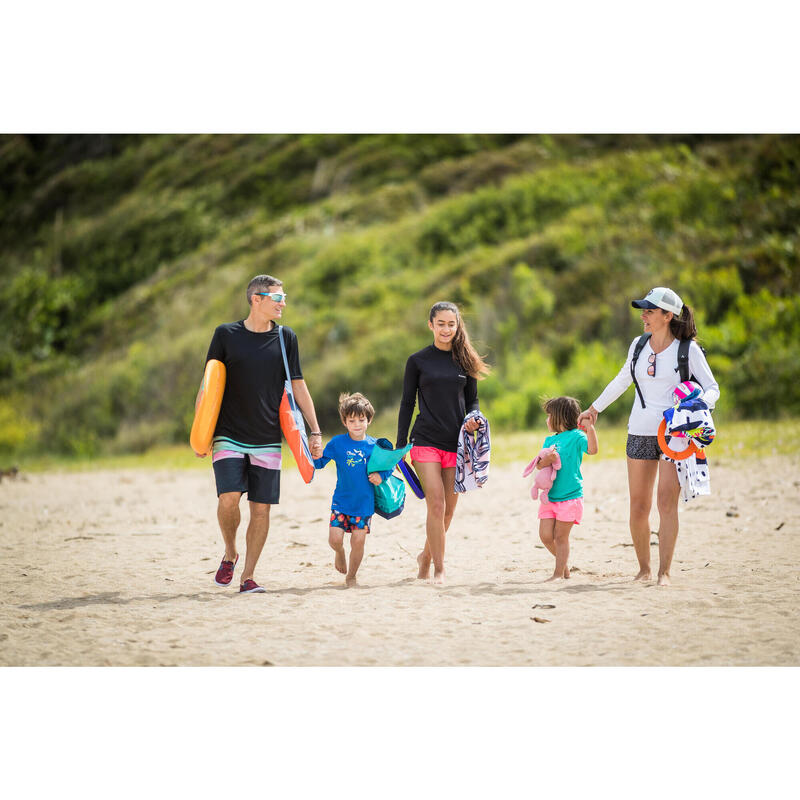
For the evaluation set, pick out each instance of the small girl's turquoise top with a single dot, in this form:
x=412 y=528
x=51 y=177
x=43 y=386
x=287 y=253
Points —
x=571 y=446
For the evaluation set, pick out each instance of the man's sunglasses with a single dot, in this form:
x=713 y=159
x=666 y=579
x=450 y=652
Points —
x=276 y=297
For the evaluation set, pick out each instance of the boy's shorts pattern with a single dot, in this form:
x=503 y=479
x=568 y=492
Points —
x=563 y=510
x=643 y=448
x=348 y=523
x=428 y=454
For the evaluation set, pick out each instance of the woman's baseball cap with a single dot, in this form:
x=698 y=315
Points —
x=660 y=297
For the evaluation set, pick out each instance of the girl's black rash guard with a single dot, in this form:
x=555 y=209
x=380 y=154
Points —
x=445 y=393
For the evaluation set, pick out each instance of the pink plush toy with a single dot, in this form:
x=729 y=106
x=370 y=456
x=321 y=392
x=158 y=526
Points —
x=544 y=477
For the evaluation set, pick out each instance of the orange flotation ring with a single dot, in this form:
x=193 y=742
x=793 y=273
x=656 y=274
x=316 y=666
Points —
x=205 y=417
x=294 y=431
x=677 y=455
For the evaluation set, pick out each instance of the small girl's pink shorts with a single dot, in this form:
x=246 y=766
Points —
x=446 y=458
x=563 y=511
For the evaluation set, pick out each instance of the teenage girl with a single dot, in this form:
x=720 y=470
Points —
x=442 y=379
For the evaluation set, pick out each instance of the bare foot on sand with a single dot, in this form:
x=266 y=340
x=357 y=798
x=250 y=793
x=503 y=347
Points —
x=566 y=572
x=644 y=575
x=350 y=581
x=554 y=578
x=340 y=561
x=663 y=580
x=424 y=567
x=438 y=578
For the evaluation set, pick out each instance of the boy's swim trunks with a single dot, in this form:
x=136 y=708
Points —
x=348 y=523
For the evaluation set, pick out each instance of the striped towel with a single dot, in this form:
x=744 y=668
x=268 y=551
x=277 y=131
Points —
x=472 y=455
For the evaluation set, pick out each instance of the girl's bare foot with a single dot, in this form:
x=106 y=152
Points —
x=424 y=567
x=438 y=578
x=566 y=572
x=663 y=580
x=340 y=561
x=644 y=575
x=350 y=581
x=554 y=578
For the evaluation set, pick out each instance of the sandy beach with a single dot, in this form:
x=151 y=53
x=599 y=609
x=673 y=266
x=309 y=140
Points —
x=116 y=568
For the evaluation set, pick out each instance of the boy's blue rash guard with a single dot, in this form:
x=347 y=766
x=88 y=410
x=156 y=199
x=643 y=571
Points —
x=354 y=494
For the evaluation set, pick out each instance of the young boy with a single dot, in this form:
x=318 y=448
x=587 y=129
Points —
x=353 y=502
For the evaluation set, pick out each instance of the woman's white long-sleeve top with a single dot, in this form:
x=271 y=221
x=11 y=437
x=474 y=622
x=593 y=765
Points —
x=657 y=391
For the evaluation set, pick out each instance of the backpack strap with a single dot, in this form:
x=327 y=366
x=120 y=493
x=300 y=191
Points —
x=643 y=339
x=683 y=359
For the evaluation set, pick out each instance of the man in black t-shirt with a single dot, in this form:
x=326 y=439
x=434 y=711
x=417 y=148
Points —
x=247 y=439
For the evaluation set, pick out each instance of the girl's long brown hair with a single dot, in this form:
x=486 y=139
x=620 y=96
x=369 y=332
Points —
x=464 y=354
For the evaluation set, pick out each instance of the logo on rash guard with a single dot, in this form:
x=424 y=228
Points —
x=355 y=457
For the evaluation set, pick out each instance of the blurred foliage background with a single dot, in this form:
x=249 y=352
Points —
x=120 y=254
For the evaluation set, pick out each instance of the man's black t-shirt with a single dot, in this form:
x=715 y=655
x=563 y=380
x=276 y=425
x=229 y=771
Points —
x=253 y=382
x=445 y=392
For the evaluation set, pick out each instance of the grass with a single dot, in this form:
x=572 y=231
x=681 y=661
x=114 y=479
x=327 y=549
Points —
x=735 y=440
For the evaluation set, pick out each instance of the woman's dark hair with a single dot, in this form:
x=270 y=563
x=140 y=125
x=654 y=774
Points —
x=464 y=354
x=683 y=327
x=564 y=412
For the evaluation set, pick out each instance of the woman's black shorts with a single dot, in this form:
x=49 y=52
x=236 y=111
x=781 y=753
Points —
x=643 y=448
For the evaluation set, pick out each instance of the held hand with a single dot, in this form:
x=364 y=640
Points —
x=588 y=417
x=471 y=425
x=315 y=445
x=375 y=478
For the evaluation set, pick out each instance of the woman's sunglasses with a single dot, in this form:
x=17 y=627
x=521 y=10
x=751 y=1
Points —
x=276 y=297
x=651 y=370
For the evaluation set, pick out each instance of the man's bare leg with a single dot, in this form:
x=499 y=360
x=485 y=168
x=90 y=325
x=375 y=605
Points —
x=229 y=516
x=257 y=532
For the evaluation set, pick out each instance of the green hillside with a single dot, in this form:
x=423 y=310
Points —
x=120 y=254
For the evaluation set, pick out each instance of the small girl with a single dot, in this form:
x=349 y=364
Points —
x=563 y=507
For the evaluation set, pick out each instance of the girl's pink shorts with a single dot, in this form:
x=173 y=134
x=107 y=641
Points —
x=563 y=511
x=445 y=457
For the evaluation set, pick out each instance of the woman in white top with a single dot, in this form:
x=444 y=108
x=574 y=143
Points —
x=668 y=321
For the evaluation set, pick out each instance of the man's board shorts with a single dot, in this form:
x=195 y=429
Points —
x=562 y=510
x=241 y=468
x=643 y=448
x=349 y=523
x=428 y=454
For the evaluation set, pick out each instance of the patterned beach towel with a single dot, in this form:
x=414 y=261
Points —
x=472 y=455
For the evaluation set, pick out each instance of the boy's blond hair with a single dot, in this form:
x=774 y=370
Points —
x=564 y=412
x=355 y=405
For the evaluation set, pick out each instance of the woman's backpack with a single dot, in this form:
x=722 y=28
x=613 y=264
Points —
x=683 y=361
